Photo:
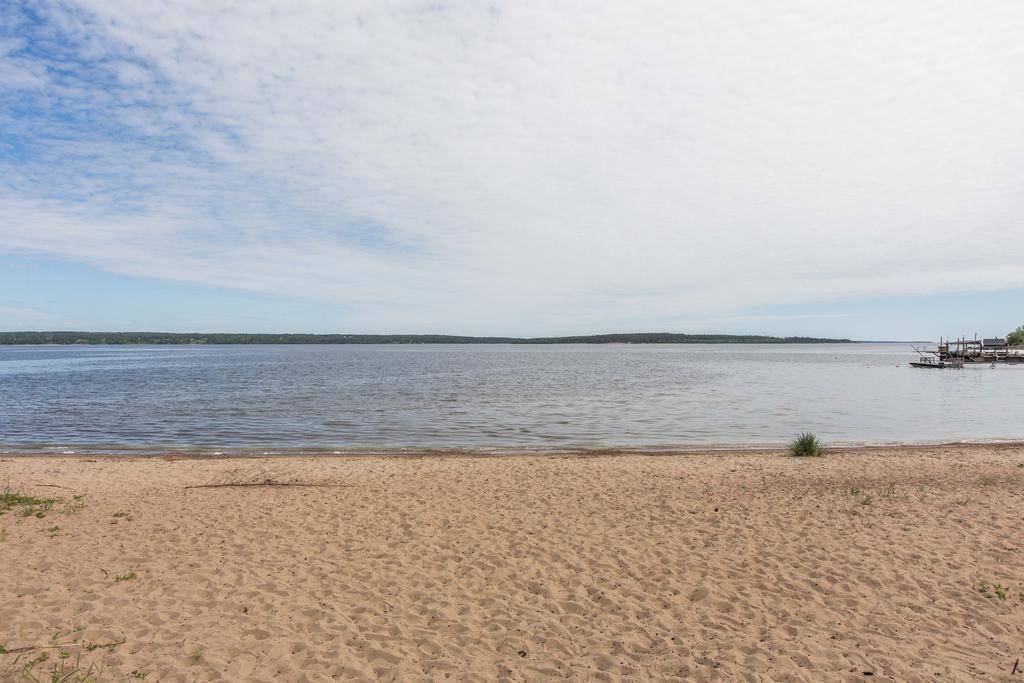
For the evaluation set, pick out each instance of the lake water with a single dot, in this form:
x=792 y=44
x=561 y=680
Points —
x=348 y=397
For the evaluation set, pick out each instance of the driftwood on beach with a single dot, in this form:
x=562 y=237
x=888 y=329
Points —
x=256 y=476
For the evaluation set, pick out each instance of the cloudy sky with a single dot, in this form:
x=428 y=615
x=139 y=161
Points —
x=529 y=167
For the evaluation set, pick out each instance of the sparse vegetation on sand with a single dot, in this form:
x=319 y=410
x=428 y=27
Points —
x=27 y=505
x=118 y=516
x=63 y=670
x=74 y=505
x=806 y=445
x=57 y=661
x=996 y=590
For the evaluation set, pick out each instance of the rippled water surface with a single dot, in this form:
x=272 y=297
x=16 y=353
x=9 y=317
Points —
x=484 y=396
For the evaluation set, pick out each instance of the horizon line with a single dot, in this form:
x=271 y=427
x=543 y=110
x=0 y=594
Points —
x=142 y=337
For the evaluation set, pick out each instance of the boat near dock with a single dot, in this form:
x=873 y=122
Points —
x=928 y=362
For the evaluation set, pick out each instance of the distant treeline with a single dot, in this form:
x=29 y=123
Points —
x=229 y=338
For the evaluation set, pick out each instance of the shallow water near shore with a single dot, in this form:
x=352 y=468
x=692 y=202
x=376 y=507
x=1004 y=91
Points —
x=491 y=398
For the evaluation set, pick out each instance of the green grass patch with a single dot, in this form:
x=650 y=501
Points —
x=61 y=671
x=806 y=445
x=26 y=505
x=9 y=499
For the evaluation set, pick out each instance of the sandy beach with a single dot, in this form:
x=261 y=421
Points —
x=880 y=564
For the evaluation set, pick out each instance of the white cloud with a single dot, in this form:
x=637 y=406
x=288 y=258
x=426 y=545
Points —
x=17 y=73
x=535 y=166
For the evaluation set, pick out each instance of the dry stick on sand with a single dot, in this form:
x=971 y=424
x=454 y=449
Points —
x=254 y=476
x=30 y=648
x=262 y=483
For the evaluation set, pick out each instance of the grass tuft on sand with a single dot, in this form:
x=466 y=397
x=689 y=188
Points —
x=806 y=445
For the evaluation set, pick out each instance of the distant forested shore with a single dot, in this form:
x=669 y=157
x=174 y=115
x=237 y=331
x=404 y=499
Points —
x=9 y=338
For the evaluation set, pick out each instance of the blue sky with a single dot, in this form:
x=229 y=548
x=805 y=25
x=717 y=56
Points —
x=76 y=297
x=520 y=169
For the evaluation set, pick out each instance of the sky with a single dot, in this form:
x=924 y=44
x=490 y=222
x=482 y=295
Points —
x=523 y=168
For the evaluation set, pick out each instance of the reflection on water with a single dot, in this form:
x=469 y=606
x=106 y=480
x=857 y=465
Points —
x=482 y=396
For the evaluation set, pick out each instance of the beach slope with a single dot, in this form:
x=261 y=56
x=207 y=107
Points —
x=899 y=563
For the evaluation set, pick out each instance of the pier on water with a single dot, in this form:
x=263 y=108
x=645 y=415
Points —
x=995 y=350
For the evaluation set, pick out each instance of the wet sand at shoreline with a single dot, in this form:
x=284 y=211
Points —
x=902 y=562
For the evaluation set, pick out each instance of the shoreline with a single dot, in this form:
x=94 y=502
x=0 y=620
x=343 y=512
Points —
x=214 y=453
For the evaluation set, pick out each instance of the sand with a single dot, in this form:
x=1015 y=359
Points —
x=720 y=566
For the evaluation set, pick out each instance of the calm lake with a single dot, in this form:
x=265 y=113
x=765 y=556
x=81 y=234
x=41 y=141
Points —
x=274 y=398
